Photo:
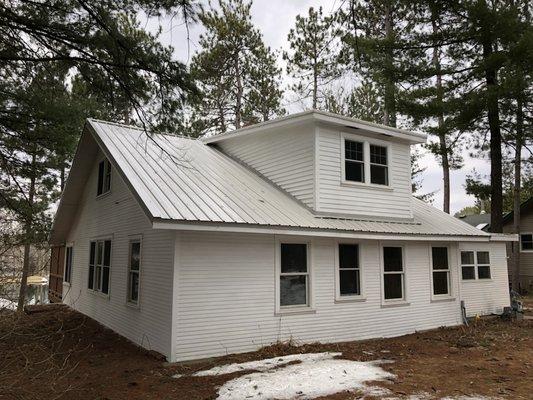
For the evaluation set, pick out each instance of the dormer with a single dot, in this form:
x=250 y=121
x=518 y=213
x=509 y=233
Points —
x=336 y=166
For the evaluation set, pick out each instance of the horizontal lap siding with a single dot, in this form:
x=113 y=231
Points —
x=285 y=158
x=119 y=214
x=483 y=297
x=526 y=257
x=333 y=197
x=226 y=297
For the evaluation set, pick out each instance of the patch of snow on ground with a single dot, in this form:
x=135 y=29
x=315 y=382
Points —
x=317 y=374
x=7 y=304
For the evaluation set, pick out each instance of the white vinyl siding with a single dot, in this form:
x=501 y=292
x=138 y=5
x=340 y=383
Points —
x=285 y=158
x=118 y=216
x=336 y=195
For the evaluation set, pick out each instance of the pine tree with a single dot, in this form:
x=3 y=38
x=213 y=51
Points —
x=312 y=59
x=363 y=102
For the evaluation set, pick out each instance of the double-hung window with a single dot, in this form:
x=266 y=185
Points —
x=99 y=265
x=349 y=273
x=354 y=161
x=393 y=273
x=294 y=275
x=68 y=265
x=475 y=265
x=440 y=271
x=134 y=268
x=526 y=242
x=379 y=170
x=104 y=177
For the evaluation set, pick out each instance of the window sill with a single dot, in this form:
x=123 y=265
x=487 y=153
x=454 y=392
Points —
x=391 y=304
x=442 y=299
x=374 y=186
x=476 y=280
x=135 y=306
x=67 y=284
x=98 y=294
x=350 y=299
x=295 y=311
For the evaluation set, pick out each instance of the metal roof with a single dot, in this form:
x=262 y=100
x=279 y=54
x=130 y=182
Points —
x=179 y=179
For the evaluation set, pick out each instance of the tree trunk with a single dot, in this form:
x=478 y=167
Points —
x=27 y=239
x=515 y=283
x=238 y=102
x=389 y=114
x=496 y=196
x=443 y=147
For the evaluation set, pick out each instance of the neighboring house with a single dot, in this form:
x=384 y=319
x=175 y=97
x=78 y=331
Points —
x=302 y=228
x=480 y=221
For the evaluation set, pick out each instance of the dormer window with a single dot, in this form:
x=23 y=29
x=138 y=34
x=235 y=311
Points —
x=354 y=161
x=104 y=177
x=379 y=173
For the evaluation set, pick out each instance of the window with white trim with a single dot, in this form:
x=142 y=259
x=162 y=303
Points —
x=134 y=268
x=379 y=170
x=354 y=161
x=99 y=265
x=440 y=271
x=349 y=273
x=294 y=275
x=526 y=242
x=104 y=177
x=68 y=265
x=393 y=273
x=475 y=265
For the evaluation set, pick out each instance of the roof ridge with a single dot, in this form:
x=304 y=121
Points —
x=101 y=121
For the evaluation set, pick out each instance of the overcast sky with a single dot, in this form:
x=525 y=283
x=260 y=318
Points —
x=274 y=18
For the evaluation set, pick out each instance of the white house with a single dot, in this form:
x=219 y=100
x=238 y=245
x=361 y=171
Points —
x=302 y=228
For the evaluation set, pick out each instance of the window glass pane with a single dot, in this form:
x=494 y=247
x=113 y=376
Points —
x=353 y=150
x=378 y=175
x=135 y=256
x=467 y=257
x=91 y=277
x=107 y=180
x=440 y=282
x=468 y=273
x=378 y=155
x=392 y=259
x=348 y=256
x=134 y=286
x=293 y=290
x=293 y=257
x=483 y=257
x=105 y=280
x=439 y=257
x=355 y=171
x=526 y=237
x=98 y=278
x=527 y=245
x=349 y=282
x=393 y=286
x=483 y=272
x=107 y=253
x=100 y=177
x=92 y=253
x=99 y=253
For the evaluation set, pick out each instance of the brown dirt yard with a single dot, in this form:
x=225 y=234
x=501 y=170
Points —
x=56 y=353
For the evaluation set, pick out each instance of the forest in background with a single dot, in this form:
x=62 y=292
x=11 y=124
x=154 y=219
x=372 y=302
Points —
x=457 y=70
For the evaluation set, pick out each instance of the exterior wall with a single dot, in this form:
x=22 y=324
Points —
x=487 y=296
x=286 y=158
x=118 y=214
x=526 y=257
x=226 y=295
x=333 y=196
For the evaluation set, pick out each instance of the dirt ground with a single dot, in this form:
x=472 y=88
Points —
x=56 y=353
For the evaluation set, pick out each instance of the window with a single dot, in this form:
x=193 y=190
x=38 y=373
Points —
x=134 y=268
x=472 y=261
x=393 y=273
x=294 y=275
x=526 y=242
x=354 y=162
x=378 y=165
x=441 y=271
x=99 y=265
x=349 y=273
x=68 y=265
x=104 y=177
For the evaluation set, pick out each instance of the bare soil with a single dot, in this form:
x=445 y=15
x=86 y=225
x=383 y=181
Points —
x=57 y=353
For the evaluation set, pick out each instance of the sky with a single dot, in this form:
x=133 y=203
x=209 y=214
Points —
x=274 y=18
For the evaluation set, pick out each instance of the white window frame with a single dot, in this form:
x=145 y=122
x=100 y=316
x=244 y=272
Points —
x=450 y=294
x=476 y=264
x=520 y=237
x=366 y=159
x=354 y=297
x=129 y=301
x=294 y=309
x=364 y=162
x=71 y=247
x=94 y=289
x=404 y=299
x=107 y=167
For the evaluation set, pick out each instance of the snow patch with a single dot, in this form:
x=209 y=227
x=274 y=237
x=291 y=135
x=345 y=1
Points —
x=7 y=304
